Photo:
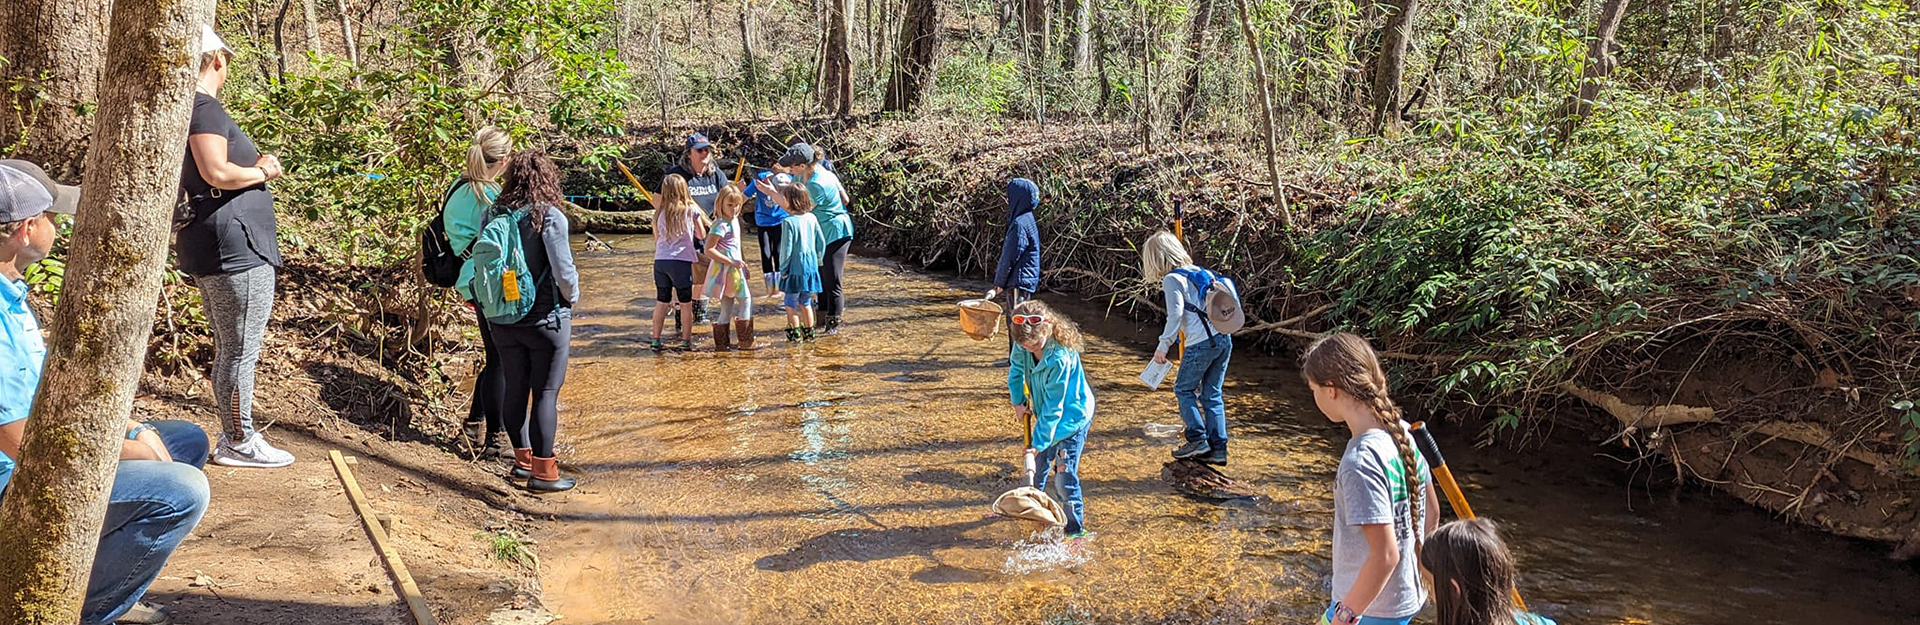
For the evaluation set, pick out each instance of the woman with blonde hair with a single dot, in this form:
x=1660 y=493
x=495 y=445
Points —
x=1200 y=384
x=462 y=215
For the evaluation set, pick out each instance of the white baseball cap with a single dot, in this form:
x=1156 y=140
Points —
x=210 y=41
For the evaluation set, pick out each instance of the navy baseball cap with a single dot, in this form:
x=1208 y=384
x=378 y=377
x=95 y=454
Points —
x=698 y=141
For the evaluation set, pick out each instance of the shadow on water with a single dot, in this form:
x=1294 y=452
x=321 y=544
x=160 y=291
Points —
x=859 y=545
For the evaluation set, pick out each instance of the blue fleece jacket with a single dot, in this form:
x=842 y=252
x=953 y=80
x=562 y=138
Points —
x=1055 y=388
x=1020 y=254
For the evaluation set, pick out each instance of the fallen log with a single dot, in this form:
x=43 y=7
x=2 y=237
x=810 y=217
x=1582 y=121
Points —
x=607 y=222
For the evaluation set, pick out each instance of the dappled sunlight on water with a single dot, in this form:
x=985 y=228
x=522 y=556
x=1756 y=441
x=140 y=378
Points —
x=848 y=481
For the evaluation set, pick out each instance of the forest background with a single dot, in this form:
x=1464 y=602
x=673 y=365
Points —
x=1682 y=226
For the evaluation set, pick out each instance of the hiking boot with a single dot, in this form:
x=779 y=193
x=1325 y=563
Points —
x=144 y=613
x=793 y=335
x=1193 y=449
x=546 y=477
x=744 y=331
x=722 y=337
x=1217 y=456
x=522 y=463
x=252 y=453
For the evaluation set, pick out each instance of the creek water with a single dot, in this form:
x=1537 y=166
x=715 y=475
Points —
x=846 y=481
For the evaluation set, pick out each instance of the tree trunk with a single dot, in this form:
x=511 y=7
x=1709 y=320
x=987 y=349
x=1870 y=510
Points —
x=746 y=47
x=913 y=64
x=660 y=70
x=313 y=25
x=1100 y=64
x=1198 y=29
x=837 y=97
x=1392 y=62
x=1035 y=22
x=1266 y=113
x=280 y=37
x=57 y=47
x=1600 y=63
x=51 y=520
x=1080 y=53
x=346 y=32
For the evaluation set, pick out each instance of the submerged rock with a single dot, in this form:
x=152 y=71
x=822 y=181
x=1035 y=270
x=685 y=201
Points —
x=1200 y=480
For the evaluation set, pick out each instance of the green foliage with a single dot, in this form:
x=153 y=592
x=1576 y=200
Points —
x=510 y=547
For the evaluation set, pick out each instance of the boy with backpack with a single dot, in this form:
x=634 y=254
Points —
x=1203 y=311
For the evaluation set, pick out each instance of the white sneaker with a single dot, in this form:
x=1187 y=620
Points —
x=254 y=453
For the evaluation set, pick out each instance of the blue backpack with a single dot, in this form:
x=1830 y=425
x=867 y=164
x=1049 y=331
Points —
x=1214 y=300
x=501 y=286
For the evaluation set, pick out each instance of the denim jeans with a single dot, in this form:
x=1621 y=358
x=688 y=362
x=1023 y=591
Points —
x=151 y=509
x=1203 y=372
x=1068 y=450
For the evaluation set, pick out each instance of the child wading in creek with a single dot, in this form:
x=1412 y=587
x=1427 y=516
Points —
x=1047 y=379
x=732 y=302
x=676 y=226
x=1383 y=498
x=801 y=243
x=1473 y=576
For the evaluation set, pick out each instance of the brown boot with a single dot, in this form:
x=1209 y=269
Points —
x=722 y=337
x=744 y=328
x=546 y=477
x=522 y=463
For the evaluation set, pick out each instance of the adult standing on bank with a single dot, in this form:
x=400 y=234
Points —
x=704 y=180
x=534 y=350
x=1018 y=273
x=830 y=207
x=465 y=212
x=228 y=243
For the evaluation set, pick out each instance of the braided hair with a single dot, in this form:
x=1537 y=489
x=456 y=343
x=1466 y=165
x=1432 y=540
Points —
x=1346 y=362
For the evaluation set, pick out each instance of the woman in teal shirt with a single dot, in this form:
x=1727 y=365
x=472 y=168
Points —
x=464 y=214
x=830 y=207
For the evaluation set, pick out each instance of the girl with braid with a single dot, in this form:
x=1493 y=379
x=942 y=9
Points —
x=1378 y=522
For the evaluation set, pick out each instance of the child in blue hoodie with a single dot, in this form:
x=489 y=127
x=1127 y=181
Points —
x=1046 y=378
x=1019 y=271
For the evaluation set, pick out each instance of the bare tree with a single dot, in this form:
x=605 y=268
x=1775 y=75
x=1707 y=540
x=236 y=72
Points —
x=919 y=42
x=1035 y=21
x=1392 y=61
x=313 y=25
x=837 y=65
x=1600 y=64
x=1079 y=54
x=1199 y=28
x=746 y=47
x=346 y=32
x=1266 y=112
x=50 y=521
x=56 y=48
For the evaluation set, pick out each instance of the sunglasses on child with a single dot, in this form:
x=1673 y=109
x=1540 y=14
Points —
x=1029 y=320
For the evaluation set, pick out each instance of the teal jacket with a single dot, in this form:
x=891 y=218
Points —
x=464 y=219
x=1056 y=389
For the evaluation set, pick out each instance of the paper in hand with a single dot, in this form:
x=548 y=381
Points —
x=1156 y=373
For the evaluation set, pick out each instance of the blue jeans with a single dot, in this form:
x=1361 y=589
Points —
x=799 y=300
x=151 y=509
x=1203 y=407
x=1068 y=449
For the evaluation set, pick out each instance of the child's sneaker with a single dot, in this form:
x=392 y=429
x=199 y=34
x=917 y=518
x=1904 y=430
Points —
x=686 y=345
x=793 y=335
x=657 y=346
x=806 y=334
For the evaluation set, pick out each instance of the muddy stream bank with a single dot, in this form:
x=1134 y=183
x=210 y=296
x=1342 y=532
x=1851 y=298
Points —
x=846 y=481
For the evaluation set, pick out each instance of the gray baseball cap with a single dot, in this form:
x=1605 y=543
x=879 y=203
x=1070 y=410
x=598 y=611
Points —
x=797 y=154
x=27 y=191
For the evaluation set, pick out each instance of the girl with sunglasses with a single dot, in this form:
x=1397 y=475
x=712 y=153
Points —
x=1047 y=380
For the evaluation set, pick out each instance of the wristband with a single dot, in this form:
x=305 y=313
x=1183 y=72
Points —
x=133 y=434
x=1343 y=615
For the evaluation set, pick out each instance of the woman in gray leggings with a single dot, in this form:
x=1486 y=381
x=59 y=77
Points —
x=227 y=242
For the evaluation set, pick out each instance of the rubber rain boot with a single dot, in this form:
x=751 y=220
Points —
x=722 y=337
x=522 y=463
x=546 y=477
x=744 y=331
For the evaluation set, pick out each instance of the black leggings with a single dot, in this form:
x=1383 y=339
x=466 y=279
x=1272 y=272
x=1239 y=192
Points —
x=769 y=248
x=486 y=387
x=833 y=300
x=672 y=281
x=533 y=360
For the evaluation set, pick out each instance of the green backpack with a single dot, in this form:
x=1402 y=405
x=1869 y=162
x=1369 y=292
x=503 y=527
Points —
x=501 y=286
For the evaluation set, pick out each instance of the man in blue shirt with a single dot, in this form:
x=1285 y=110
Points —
x=158 y=492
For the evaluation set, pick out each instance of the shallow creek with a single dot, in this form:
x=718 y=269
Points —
x=846 y=481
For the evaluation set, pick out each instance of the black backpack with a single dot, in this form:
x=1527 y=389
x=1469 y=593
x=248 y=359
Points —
x=438 y=260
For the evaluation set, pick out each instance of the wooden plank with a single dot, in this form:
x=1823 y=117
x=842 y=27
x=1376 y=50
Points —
x=377 y=533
